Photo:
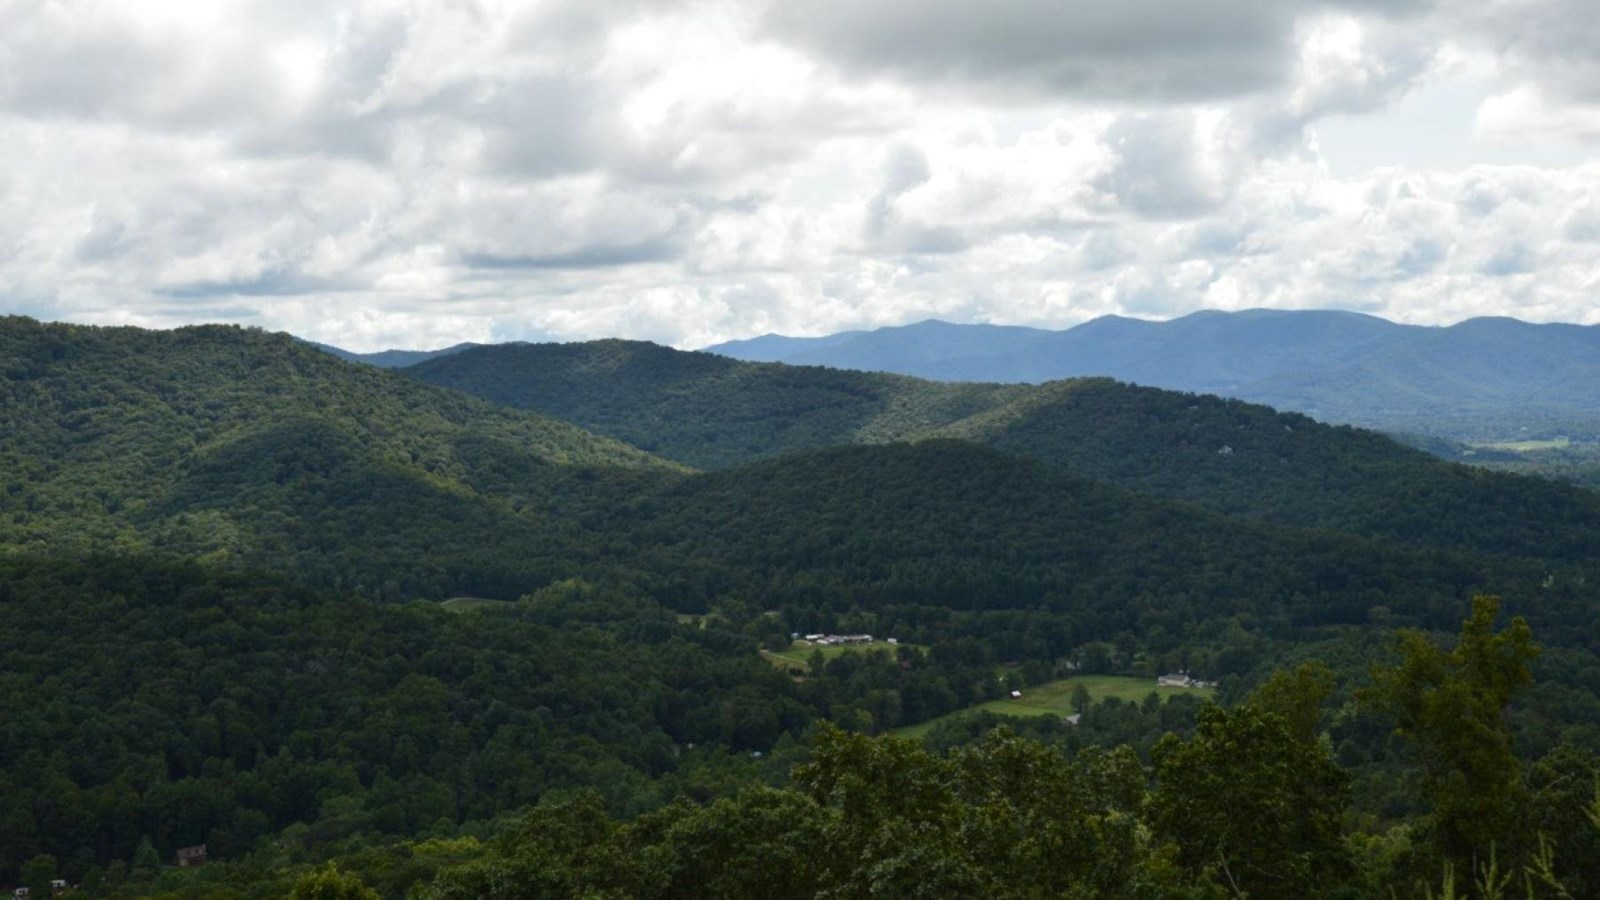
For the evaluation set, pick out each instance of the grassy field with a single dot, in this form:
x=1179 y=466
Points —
x=1527 y=446
x=799 y=653
x=467 y=604
x=1055 y=698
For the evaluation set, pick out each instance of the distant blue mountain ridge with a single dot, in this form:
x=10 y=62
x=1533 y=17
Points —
x=391 y=359
x=1486 y=378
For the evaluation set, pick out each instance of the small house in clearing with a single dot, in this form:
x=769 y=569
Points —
x=191 y=856
x=1183 y=680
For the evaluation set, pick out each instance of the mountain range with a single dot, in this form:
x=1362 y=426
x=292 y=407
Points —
x=1486 y=378
x=291 y=606
x=231 y=444
x=710 y=412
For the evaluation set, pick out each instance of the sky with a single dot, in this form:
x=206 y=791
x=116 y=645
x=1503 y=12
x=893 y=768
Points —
x=414 y=174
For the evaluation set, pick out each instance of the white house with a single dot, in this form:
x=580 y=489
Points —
x=1183 y=680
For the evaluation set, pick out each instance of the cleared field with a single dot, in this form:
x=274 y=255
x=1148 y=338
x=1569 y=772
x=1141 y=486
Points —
x=799 y=653
x=467 y=604
x=1527 y=446
x=1055 y=698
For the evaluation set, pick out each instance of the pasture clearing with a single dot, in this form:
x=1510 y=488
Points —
x=1055 y=698
x=468 y=604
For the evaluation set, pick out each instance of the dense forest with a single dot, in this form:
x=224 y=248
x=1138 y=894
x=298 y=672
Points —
x=363 y=636
x=220 y=442
x=1237 y=458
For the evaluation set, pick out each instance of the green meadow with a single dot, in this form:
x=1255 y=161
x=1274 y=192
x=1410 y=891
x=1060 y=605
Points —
x=1055 y=698
x=800 y=652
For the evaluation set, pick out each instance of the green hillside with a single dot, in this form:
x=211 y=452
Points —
x=1232 y=457
x=704 y=410
x=1242 y=459
x=195 y=526
x=226 y=443
x=954 y=526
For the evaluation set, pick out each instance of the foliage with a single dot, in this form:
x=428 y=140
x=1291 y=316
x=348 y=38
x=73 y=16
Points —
x=208 y=539
x=1451 y=706
x=167 y=704
x=233 y=444
x=1254 y=803
x=1232 y=457
x=949 y=525
x=328 y=883
x=704 y=410
x=868 y=817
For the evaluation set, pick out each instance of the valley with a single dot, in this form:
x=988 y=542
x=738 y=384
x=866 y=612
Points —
x=533 y=612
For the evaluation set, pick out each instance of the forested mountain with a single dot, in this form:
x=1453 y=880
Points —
x=224 y=443
x=704 y=410
x=1248 y=460
x=953 y=526
x=1232 y=457
x=1482 y=378
x=218 y=549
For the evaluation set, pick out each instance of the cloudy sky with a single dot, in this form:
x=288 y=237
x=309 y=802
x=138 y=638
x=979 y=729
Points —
x=412 y=174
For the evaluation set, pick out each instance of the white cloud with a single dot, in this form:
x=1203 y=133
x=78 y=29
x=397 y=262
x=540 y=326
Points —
x=412 y=172
x=1527 y=112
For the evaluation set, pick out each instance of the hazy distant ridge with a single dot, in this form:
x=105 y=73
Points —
x=1480 y=376
x=392 y=359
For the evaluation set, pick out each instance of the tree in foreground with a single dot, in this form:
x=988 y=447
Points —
x=328 y=883
x=1453 y=707
x=1253 y=800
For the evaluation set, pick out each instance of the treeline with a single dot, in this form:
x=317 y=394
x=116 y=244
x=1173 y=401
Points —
x=1250 y=802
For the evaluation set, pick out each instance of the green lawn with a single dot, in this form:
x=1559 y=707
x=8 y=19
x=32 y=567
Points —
x=1055 y=698
x=799 y=653
x=467 y=604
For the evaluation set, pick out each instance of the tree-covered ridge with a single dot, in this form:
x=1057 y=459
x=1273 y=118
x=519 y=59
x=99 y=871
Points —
x=1241 y=459
x=700 y=409
x=240 y=444
x=1233 y=457
x=1481 y=379
x=951 y=525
